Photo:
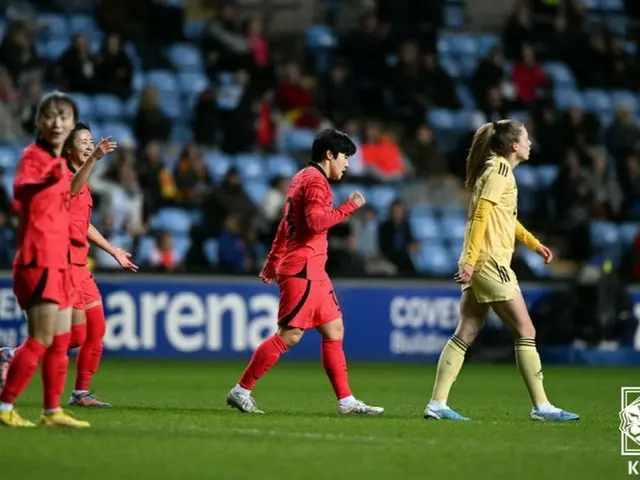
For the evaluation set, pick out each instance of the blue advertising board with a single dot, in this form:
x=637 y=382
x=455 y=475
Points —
x=227 y=317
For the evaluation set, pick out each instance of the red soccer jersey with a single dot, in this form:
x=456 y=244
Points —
x=42 y=190
x=80 y=218
x=300 y=246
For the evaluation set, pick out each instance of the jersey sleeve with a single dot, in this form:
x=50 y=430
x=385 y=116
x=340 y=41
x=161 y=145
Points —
x=479 y=221
x=494 y=186
x=526 y=237
x=318 y=212
x=36 y=172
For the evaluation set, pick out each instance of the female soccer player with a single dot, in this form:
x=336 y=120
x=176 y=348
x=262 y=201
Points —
x=88 y=322
x=485 y=275
x=41 y=278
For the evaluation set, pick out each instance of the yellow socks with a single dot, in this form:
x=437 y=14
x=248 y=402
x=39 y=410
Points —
x=449 y=365
x=529 y=366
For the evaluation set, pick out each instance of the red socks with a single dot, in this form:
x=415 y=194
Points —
x=335 y=364
x=90 y=352
x=23 y=367
x=54 y=370
x=265 y=357
x=78 y=335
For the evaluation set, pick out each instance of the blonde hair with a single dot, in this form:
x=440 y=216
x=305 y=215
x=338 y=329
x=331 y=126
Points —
x=494 y=138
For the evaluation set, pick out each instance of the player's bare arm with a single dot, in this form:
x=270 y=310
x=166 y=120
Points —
x=106 y=145
x=122 y=256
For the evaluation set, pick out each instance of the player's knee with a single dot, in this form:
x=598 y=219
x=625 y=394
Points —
x=290 y=336
x=526 y=331
x=43 y=337
x=468 y=330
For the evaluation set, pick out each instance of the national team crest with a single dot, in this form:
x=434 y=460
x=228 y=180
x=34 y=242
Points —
x=630 y=421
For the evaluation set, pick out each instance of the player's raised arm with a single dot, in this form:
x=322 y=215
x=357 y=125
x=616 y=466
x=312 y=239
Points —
x=318 y=212
x=121 y=256
x=106 y=145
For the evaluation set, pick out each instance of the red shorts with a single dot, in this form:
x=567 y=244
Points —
x=31 y=284
x=306 y=303
x=84 y=286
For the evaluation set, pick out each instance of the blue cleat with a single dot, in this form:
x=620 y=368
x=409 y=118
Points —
x=445 y=413
x=87 y=399
x=6 y=355
x=554 y=415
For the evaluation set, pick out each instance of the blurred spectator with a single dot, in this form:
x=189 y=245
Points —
x=236 y=107
x=340 y=99
x=17 y=51
x=343 y=257
x=573 y=192
x=150 y=122
x=408 y=80
x=381 y=154
x=623 y=136
x=223 y=46
x=519 y=31
x=273 y=202
x=156 y=180
x=25 y=109
x=205 y=119
x=259 y=49
x=426 y=158
x=192 y=178
x=562 y=42
x=236 y=250
x=115 y=70
x=75 y=71
x=595 y=53
x=295 y=98
x=439 y=86
x=8 y=240
x=528 y=76
x=488 y=74
x=549 y=136
x=493 y=106
x=228 y=197
x=630 y=182
x=396 y=239
x=607 y=200
x=365 y=231
x=266 y=127
x=163 y=256
x=623 y=68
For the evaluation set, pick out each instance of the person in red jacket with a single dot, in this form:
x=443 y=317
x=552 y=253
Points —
x=528 y=76
x=297 y=262
x=41 y=278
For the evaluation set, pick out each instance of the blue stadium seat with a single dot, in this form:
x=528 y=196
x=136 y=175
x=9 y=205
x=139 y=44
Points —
x=468 y=66
x=145 y=248
x=486 y=43
x=526 y=177
x=163 y=80
x=181 y=246
x=192 y=82
x=320 y=37
x=441 y=119
x=434 y=259
x=451 y=66
x=250 y=165
x=565 y=98
x=186 y=57
x=612 y=5
x=52 y=50
x=85 y=105
x=181 y=134
x=628 y=232
x=424 y=227
x=592 y=4
x=625 y=98
x=596 y=101
x=256 y=189
x=559 y=74
x=443 y=46
x=547 y=175
x=194 y=29
x=81 y=23
x=217 y=163
x=453 y=210
x=535 y=262
x=7 y=183
x=465 y=97
x=454 y=17
x=171 y=105
x=423 y=209
x=299 y=139
x=381 y=196
x=603 y=234
x=519 y=115
x=212 y=250
x=618 y=24
x=8 y=157
x=468 y=120
x=453 y=227
x=281 y=165
x=120 y=132
x=107 y=107
x=462 y=45
x=53 y=25
x=341 y=192
x=174 y=220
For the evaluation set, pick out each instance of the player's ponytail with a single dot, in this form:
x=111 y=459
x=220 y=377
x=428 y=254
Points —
x=494 y=138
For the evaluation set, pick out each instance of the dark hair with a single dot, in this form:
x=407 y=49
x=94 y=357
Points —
x=334 y=141
x=68 y=143
x=490 y=139
x=56 y=97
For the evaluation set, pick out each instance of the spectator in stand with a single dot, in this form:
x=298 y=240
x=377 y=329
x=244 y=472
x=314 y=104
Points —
x=630 y=180
x=549 y=135
x=439 y=87
x=115 y=70
x=150 y=122
x=364 y=228
x=156 y=180
x=427 y=160
x=573 y=193
x=493 y=106
x=163 y=257
x=206 y=118
x=623 y=136
x=17 y=51
x=381 y=155
x=236 y=107
x=408 y=80
x=519 y=31
x=607 y=194
x=340 y=99
x=528 y=77
x=76 y=69
x=489 y=74
x=273 y=202
x=192 y=178
x=266 y=126
x=396 y=240
x=296 y=98
x=259 y=49
x=234 y=248
x=623 y=67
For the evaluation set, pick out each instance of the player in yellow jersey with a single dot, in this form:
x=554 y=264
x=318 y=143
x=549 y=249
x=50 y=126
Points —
x=484 y=272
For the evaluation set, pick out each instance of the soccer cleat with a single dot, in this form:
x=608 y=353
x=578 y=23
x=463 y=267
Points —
x=553 y=415
x=243 y=402
x=61 y=418
x=87 y=399
x=6 y=355
x=358 y=407
x=431 y=413
x=13 y=419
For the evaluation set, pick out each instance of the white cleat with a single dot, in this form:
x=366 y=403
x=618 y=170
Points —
x=358 y=407
x=243 y=402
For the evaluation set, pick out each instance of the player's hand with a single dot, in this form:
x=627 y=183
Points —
x=268 y=274
x=105 y=146
x=546 y=253
x=357 y=198
x=465 y=272
x=124 y=259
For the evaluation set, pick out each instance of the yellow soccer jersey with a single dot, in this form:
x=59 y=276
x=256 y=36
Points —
x=497 y=185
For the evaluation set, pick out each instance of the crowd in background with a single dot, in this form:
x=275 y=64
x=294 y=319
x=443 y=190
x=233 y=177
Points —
x=377 y=86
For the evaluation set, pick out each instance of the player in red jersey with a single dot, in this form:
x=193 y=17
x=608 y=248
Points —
x=41 y=281
x=88 y=322
x=297 y=262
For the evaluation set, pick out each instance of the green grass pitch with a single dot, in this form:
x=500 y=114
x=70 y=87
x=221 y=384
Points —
x=170 y=421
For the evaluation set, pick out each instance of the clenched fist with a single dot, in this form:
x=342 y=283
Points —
x=358 y=198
